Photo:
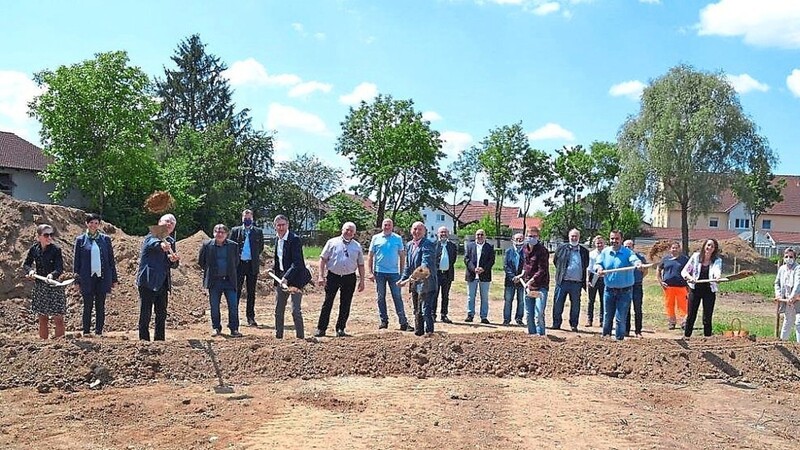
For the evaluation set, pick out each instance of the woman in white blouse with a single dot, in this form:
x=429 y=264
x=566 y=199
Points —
x=703 y=265
x=787 y=288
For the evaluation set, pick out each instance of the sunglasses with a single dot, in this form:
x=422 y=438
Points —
x=48 y=235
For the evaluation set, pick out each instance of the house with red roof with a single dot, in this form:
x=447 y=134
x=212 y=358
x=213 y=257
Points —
x=473 y=211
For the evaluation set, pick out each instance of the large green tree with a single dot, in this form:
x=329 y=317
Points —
x=344 y=209
x=96 y=124
x=500 y=163
x=536 y=178
x=395 y=154
x=463 y=174
x=758 y=190
x=196 y=94
x=572 y=168
x=316 y=180
x=257 y=149
x=688 y=139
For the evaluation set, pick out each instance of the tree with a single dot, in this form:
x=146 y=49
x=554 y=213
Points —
x=197 y=94
x=463 y=175
x=758 y=190
x=395 y=154
x=345 y=209
x=499 y=160
x=256 y=166
x=601 y=181
x=573 y=169
x=96 y=124
x=536 y=178
x=689 y=137
x=487 y=224
x=316 y=181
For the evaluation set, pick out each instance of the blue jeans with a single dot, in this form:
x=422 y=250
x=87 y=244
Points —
x=472 y=289
x=518 y=291
x=534 y=307
x=215 y=296
x=618 y=302
x=573 y=288
x=381 y=280
x=424 y=310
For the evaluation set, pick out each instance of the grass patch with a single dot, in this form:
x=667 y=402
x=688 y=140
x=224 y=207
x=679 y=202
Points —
x=312 y=252
x=761 y=284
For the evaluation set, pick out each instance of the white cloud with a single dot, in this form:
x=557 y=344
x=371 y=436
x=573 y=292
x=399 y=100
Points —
x=770 y=23
x=308 y=87
x=16 y=90
x=431 y=116
x=793 y=82
x=253 y=72
x=552 y=131
x=297 y=26
x=546 y=8
x=364 y=91
x=320 y=36
x=455 y=142
x=744 y=83
x=281 y=117
x=632 y=89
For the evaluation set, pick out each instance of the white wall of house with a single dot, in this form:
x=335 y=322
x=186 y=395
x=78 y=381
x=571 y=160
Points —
x=435 y=218
x=739 y=218
x=30 y=187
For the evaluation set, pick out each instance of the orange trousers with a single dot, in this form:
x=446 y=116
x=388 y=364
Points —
x=675 y=299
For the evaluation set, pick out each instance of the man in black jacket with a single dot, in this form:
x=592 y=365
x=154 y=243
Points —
x=571 y=260
x=446 y=257
x=290 y=267
x=479 y=259
x=218 y=260
x=251 y=243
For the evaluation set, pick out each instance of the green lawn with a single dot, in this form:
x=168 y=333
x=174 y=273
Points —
x=762 y=284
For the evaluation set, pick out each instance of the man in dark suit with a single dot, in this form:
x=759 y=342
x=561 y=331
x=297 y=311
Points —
x=446 y=258
x=571 y=261
x=420 y=254
x=219 y=258
x=479 y=258
x=251 y=243
x=290 y=267
x=154 y=280
x=97 y=272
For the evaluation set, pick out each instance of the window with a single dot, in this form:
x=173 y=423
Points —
x=440 y=217
x=713 y=222
x=766 y=224
x=6 y=185
x=741 y=224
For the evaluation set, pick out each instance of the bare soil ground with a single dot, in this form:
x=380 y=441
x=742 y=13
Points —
x=467 y=386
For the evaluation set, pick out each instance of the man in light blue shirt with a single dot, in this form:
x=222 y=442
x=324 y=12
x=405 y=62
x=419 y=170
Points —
x=619 y=284
x=386 y=262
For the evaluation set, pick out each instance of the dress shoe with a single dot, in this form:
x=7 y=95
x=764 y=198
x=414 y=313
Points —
x=446 y=319
x=406 y=327
x=319 y=333
x=485 y=321
x=215 y=332
x=236 y=334
x=575 y=329
x=340 y=333
x=506 y=323
x=383 y=325
x=469 y=319
x=419 y=333
x=588 y=324
x=520 y=322
x=251 y=323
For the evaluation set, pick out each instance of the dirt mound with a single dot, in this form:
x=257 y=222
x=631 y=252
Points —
x=734 y=252
x=76 y=364
x=18 y=220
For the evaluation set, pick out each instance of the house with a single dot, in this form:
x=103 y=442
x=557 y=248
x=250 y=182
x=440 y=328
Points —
x=20 y=165
x=473 y=211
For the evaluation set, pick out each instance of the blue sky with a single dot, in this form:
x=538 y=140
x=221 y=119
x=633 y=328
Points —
x=569 y=70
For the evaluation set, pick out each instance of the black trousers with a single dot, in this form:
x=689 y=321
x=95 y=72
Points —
x=95 y=299
x=444 y=291
x=594 y=292
x=700 y=294
x=149 y=300
x=334 y=283
x=247 y=274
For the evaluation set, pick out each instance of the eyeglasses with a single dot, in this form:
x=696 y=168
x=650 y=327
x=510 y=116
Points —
x=48 y=235
x=479 y=234
x=220 y=231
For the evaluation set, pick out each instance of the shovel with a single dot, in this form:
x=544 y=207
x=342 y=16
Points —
x=53 y=282
x=221 y=387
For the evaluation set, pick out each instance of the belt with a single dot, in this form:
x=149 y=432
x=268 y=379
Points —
x=343 y=275
x=224 y=278
x=622 y=289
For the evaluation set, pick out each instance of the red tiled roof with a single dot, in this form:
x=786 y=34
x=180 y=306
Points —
x=785 y=237
x=368 y=204
x=17 y=153
x=476 y=210
x=694 y=235
x=790 y=206
x=516 y=223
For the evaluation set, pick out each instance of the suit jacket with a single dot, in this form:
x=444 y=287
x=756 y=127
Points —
x=486 y=262
x=422 y=256
x=452 y=253
x=510 y=267
x=82 y=263
x=208 y=261
x=256 y=244
x=561 y=260
x=154 y=266
x=295 y=270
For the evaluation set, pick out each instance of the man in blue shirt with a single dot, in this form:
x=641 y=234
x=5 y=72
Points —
x=619 y=284
x=386 y=262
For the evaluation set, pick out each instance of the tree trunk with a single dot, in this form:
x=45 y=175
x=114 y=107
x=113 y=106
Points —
x=685 y=228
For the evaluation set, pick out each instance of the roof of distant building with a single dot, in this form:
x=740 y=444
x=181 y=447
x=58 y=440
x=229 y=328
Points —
x=17 y=153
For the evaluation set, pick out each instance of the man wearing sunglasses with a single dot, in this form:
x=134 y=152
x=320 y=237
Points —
x=341 y=257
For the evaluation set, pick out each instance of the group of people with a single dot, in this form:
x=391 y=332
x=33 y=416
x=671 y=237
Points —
x=230 y=263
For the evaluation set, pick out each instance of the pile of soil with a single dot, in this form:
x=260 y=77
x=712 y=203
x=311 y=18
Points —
x=80 y=364
x=18 y=220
